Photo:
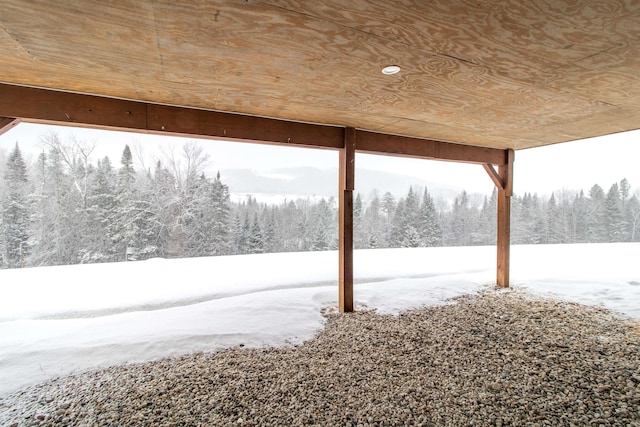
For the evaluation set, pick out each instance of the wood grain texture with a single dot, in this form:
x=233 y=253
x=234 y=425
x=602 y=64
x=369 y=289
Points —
x=502 y=74
x=42 y=105
x=503 y=240
x=371 y=142
x=346 y=181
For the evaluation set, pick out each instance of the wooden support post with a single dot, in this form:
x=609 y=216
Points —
x=505 y=192
x=345 y=221
x=7 y=123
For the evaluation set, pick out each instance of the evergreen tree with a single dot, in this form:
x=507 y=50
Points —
x=540 y=231
x=293 y=227
x=427 y=222
x=359 y=233
x=374 y=223
x=246 y=235
x=411 y=207
x=324 y=227
x=411 y=238
x=239 y=242
x=632 y=211
x=398 y=225
x=596 y=216
x=487 y=221
x=220 y=215
x=579 y=215
x=101 y=211
x=271 y=233
x=126 y=214
x=462 y=221
x=256 y=238
x=625 y=191
x=15 y=211
x=388 y=208
x=614 y=225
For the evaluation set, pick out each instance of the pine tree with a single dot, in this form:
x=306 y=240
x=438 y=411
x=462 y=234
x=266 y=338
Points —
x=625 y=191
x=411 y=206
x=578 y=221
x=291 y=239
x=632 y=211
x=411 y=238
x=487 y=221
x=126 y=216
x=220 y=215
x=398 y=225
x=374 y=223
x=271 y=239
x=238 y=236
x=427 y=223
x=359 y=237
x=462 y=221
x=388 y=208
x=615 y=224
x=101 y=209
x=596 y=216
x=553 y=233
x=15 y=211
x=256 y=237
x=245 y=235
x=324 y=227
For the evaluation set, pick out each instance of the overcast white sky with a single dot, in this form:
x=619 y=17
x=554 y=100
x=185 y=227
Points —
x=572 y=165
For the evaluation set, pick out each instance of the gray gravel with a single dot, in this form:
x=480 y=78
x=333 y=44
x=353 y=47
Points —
x=500 y=358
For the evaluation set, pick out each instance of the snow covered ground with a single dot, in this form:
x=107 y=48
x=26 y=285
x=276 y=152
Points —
x=57 y=320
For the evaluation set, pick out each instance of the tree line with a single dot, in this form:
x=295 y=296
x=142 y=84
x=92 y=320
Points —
x=64 y=209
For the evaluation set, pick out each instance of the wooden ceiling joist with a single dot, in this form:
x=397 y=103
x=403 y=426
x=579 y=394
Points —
x=56 y=107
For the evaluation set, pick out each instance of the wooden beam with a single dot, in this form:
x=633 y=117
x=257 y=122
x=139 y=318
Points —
x=504 y=221
x=345 y=221
x=56 y=107
x=239 y=127
x=380 y=143
x=7 y=123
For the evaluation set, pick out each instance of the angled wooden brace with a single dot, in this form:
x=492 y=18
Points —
x=7 y=123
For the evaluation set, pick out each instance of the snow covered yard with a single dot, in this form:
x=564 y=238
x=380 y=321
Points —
x=57 y=320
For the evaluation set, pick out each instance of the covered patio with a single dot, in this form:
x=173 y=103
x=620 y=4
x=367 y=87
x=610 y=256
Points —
x=471 y=81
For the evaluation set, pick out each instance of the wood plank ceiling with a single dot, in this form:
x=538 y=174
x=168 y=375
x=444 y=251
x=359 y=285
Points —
x=493 y=73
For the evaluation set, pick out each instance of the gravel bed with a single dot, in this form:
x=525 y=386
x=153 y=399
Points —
x=500 y=358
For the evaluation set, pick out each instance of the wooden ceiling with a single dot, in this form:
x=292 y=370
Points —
x=492 y=73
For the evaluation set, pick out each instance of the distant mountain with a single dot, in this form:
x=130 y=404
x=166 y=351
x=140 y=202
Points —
x=307 y=181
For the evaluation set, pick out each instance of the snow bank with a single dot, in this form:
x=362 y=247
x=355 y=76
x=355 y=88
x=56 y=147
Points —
x=57 y=320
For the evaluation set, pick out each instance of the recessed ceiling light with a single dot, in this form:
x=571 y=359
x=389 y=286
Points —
x=391 y=69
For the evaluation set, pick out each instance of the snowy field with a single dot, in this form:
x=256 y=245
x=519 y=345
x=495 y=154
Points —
x=57 y=320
